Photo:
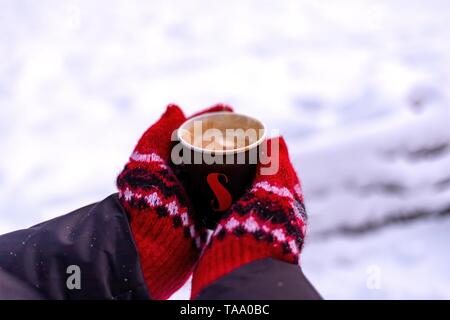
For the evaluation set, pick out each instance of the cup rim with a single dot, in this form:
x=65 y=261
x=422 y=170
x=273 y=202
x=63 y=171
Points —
x=221 y=152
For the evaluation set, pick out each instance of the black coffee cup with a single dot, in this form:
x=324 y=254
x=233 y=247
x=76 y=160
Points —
x=217 y=171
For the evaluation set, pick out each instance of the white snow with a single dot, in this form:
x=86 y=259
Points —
x=395 y=263
x=358 y=88
x=345 y=174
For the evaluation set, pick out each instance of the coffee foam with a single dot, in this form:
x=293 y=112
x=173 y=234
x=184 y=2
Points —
x=225 y=131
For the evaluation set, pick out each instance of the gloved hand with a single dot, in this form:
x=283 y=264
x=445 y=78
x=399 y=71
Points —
x=269 y=221
x=167 y=237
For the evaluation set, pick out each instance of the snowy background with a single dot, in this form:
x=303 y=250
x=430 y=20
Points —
x=360 y=89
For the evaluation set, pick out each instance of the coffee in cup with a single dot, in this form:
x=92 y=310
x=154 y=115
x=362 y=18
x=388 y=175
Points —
x=218 y=156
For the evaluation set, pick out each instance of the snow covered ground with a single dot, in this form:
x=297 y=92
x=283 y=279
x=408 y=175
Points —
x=360 y=89
x=379 y=204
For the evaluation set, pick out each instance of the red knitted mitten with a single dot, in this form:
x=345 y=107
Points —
x=167 y=238
x=269 y=221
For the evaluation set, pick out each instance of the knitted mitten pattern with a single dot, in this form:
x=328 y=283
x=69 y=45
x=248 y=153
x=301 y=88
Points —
x=162 y=223
x=269 y=221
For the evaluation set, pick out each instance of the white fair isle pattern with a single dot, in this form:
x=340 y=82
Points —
x=149 y=157
x=127 y=194
x=172 y=208
x=282 y=192
x=279 y=235
x=299 y=211
x=184 y=219
x=231 y=224
x=153 y=200
x=251 y=225
x=293 y=247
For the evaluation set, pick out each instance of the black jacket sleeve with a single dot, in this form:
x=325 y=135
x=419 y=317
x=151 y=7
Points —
x=42 y=262
x=266 y=279
x=38 y=263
